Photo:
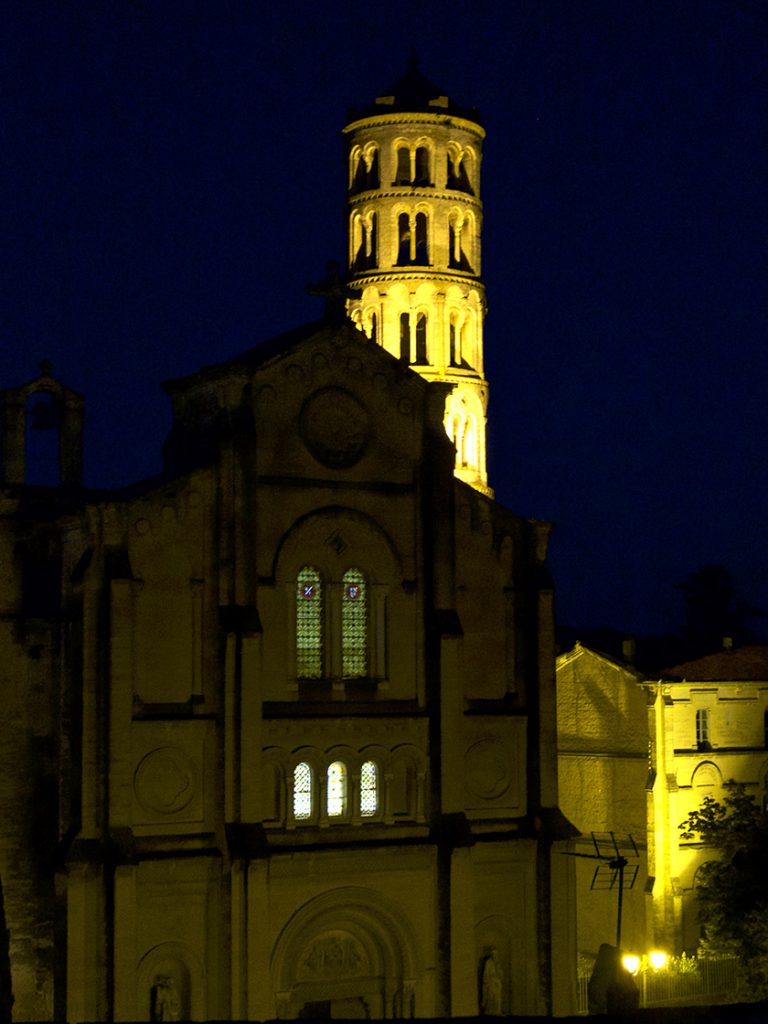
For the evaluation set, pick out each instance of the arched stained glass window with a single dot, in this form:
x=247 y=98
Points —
x=302 y=791
x=336 y=797
x=369 y=789
x=354 y=625
x=309 y=625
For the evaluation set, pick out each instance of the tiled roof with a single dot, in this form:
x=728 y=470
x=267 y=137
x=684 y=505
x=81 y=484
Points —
x=743 y=663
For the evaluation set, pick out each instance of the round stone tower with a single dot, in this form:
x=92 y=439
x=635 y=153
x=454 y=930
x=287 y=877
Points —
x=415 y=219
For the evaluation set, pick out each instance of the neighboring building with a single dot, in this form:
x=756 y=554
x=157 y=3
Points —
x=280 y=724
x=637 y=755
x=603 y=773
x=708 y=723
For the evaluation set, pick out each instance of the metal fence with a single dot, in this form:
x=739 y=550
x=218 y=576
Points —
x=713 y=980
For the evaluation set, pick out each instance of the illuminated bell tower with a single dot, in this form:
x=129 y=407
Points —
x=415 y=218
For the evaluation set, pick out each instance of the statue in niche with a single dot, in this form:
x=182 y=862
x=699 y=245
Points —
x=492 y=978
x=165 y=1003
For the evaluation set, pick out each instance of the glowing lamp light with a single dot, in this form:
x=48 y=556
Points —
x=657 y=959
x=631 y=962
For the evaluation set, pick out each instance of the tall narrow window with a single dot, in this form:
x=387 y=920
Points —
x=359 y=175
x=372 y=180
x=702 y=729
x=336 y=793
x=309 y=625
x=369 y=789
x=405 y=337
x=421 y=257
x=422 y=177
x=403 y=239
x=354 y=626
x=455 y=358
x=421 y=339
x=403 y=173
x=371 y=259
x=302 y=791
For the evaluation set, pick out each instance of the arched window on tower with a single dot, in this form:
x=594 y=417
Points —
x=302 y=791
x=371 y=325
x=358 y=172
x=421 y=253
x=354 y=625
x=309 y=624
x=458 y=175
x=336 y=790
x=458 y=242
x=453 y=339
x=405 y=337
x=421 y=339
x=467 y=342
x=364 y=171
x=371 y=241
x=369 y=789
x=422 y=177
x=403 y=239
x=403 y=171
x=412 y=240
x=371 y=157
x=364 y=241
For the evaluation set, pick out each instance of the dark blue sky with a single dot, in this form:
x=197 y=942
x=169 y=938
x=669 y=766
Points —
x=173 y=175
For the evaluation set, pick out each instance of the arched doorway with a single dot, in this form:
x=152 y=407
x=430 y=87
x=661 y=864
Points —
x=345 y=955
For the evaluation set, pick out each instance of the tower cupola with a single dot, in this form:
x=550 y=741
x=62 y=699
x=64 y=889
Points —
x=415 y=218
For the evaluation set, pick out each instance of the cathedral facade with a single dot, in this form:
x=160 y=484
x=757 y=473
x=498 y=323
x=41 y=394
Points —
x=280 y=732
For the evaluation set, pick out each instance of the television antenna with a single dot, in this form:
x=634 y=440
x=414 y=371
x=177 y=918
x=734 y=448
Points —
x=614 y=851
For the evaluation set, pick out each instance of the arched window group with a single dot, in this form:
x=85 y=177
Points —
x=462 y=424
x=413 y=338
x=461 y=340
x=412 y=239
x=312 y=634
x=460 y=168
x=334 y=799
x=363 y=255
x=460 y=241
x=413 y=165
x=364 y=168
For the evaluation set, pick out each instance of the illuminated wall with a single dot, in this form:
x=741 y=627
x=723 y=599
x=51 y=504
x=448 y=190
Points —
x=704 y=733
x=603 y=771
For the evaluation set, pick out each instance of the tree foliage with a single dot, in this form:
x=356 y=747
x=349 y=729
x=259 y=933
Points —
x=732 y=890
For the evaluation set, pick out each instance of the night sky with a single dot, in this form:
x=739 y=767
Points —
x=173 y=175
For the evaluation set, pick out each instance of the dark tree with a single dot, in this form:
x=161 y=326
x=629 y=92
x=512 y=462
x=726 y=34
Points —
x=732 y=890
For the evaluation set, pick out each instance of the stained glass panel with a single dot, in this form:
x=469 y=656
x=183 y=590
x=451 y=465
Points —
x=309 y=625
x=302 y=791
x=337 y=789
x=354 y=625
x=369 y=789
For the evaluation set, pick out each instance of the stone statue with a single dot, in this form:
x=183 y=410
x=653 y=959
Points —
x=492 y=978
x=164 y=1002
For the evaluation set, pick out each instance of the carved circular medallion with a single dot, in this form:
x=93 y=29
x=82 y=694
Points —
x=335 y=427
x=165 y=781
x=487 y=769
